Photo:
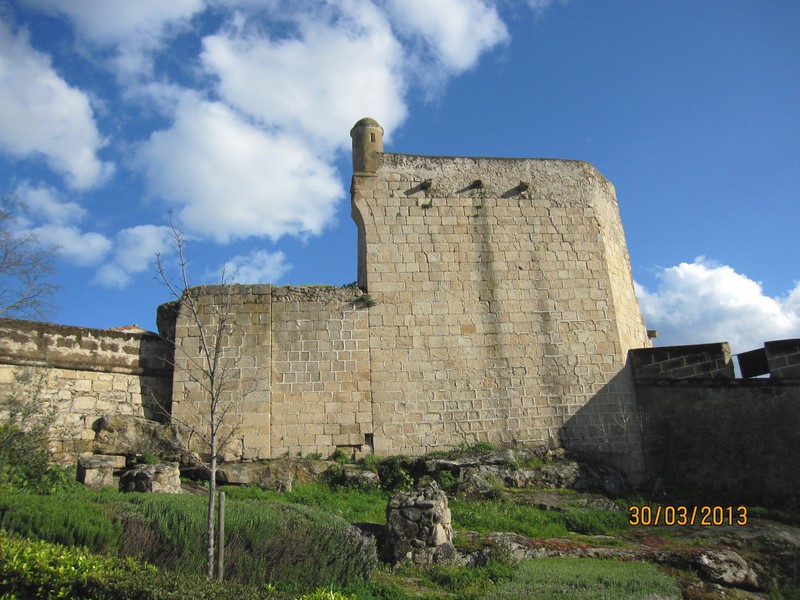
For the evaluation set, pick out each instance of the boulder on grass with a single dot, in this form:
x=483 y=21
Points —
x=418 y=526
x=160 y=477
x=97 y=471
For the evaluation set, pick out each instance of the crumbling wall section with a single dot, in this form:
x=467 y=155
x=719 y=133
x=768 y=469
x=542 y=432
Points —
x=80 y=375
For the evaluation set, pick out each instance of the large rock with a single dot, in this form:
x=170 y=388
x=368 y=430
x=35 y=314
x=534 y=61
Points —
x=726 y=567
x=97 y=471
x=418 y=526
x=161 y=477
x=136 y=437
x=277 y=475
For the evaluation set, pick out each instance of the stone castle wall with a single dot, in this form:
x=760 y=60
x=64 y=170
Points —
x=499 y=306
x=496 y=304
x=299 y=370
x=504 y=300
x=81 y=375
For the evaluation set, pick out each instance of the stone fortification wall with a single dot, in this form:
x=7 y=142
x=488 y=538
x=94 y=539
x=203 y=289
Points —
x=299 y=369
x=723 y=442
x=708 y=437
x=82 y=374
x=696 y=361
x=783 y=358
x=503 y=298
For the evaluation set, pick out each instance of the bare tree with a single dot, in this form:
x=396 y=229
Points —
x=622 y=436
x=210 y=318
x=25 y=265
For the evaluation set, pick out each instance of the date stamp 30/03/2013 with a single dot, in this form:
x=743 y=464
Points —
x=644 y=515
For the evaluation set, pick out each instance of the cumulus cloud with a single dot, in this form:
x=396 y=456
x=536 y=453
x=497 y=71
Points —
x=136 y=29
x=343 y=64
x=54 y=222
x=250 y=151
x=229 y=179
x=454 y=32
x=259 y=266
x=134 y=252
x=42 y=115
x=72 y=244
x=44 y=202
x=703 y=302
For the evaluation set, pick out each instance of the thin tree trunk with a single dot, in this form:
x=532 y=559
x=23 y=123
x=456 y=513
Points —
x=212 y=490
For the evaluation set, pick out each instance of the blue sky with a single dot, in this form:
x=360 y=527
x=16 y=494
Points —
x=234 y=117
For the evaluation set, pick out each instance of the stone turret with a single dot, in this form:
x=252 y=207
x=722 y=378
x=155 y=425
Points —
x=367 y=137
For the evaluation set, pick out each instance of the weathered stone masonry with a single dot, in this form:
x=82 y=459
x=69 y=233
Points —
x=302 y=371
x=500 y=303
x=504 y=297
x=85 y=374
x=496 y=304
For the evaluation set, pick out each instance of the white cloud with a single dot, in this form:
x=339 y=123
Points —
x=257 y=267
x=229 y=179
x=136 y=29
x=40 y=114
x=703 y=302
x=54 y=223
x=456 y=32
x=343 y=64
x=80 y=248
x=43 y=201
x=135 y=249
x=539 y=6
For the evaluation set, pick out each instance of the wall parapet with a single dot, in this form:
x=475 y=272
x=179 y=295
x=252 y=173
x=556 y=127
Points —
x=696 y=361
x=34 y=343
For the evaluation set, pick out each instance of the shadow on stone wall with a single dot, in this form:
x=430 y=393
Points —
x=608 y=429
x=734 y=442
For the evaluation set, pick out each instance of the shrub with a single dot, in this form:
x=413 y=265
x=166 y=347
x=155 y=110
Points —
x=340 y=456
x=36 y=569
x=64 y=519
x=393 y=475
x=370 y=462
x=587 y=578
x=265 y=542
x=24 y=457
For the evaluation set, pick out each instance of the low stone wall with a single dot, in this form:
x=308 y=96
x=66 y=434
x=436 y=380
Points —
x=724 y=442
x=696 y=361
x=783 y=358
x=80 y=375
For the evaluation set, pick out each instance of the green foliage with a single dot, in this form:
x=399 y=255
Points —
x=24 y=457
x=266 y=541
x=350 y=504
x=587 y=578
x=36 y=569
x=329 y=594
x=43 y=570
x=447 y=480
x=150 y=459
x=370 y=462
x=393 y=475
x=366 y=300
x=476 y=448
x=340 y=456
x=272 y=542
x=64 y=519
x=482 y=447
x=531 y=521
x=466 y=583
x=314 y=456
